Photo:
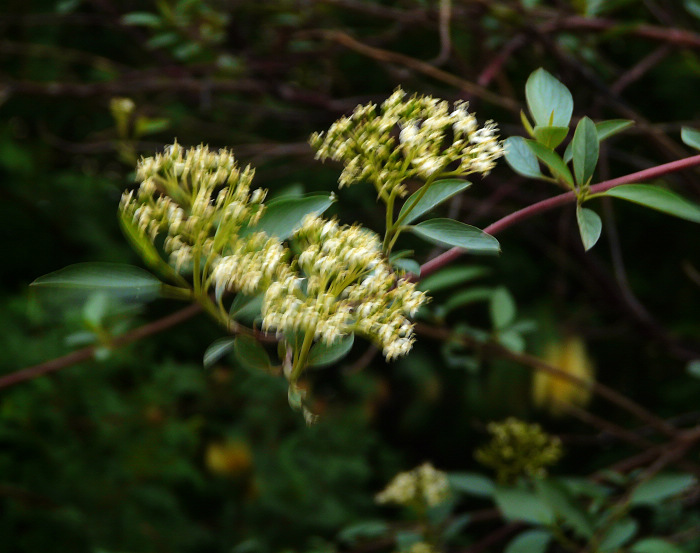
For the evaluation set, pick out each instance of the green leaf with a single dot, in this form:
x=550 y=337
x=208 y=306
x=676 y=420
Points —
x=502 y=308
x=437 y=193
x=142 y=18
x=549 y=101
x=693 y=368
x=322 y=355
x=521 y=158
x=472 y=483
x=552 y=160
x=517 y=505
x=462 y=298
x=691 y=137
x=550 y=137
x=562 y=502
x=95 y=309
x=531 y=541
x=369 y=529
x=451 y=276
x=611 y=127
x=585 y=150
x=618 y=535
x=250 y=353
x=661 y=487
x=284 y=215
x=655 y=545
x=657 y=198
x=401 y=261
x=217 y=350
x=605 y=129
x=246 y=308
x=447 y=232
x=455 y=527
x=146 y=125
x=589 y=225
x=512 y=340
x=122 y=282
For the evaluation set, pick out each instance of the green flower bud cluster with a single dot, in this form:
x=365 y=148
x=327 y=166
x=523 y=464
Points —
x=424 y=486
x=433 y=140
x=519 y=449
x=341 y=283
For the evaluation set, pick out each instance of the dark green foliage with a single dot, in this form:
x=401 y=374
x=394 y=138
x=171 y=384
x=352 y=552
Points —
x=116 y=455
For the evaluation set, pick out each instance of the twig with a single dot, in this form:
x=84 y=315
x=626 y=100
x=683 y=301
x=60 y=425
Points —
x=88 y=353
x=538 y=364
x=556 y=201
x=421 y=67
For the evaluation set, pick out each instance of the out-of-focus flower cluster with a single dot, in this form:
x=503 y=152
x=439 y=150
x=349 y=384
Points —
x=422 y=486
x=339 y=284
x=519 y=449
x=433 y=139
x=200 y=200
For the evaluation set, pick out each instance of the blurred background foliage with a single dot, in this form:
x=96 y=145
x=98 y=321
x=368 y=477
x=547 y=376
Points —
x=141 y=449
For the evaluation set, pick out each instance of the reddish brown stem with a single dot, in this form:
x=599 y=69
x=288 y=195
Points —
x=556 y=201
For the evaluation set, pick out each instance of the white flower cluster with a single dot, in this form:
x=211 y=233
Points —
x=424 y=485
x=342 y=284
x=201 y=199
x=433 y=138
x=254 y=262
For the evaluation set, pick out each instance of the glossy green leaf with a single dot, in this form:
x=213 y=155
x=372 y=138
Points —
x=408 y=265
x=611 y=127
x=322 y=355
x=518 y=505
x=369 y=529
x=472 y=483
x=691 y=137
x=605 y=129
x=284 y=215
x=655 y=545
x=146 y=19
x=250 y=353
x=565 y=505
x=661 y=487
x=521 y=158
x=550 y=137
x=585 y=150
x=657 y=198
x=451 y=276
x=447 y=232
x=512 y=340
x=437 y=193
x=95 y=309
x=218 y=349
x=549 y=101
x=589 y=226
x=618 y=535
x=246 y=308
x=552 y=160
x=122 y=282
x=502 y=308
x=530 y=541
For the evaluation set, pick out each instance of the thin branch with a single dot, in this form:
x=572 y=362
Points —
x=419 y=66
x=556 y=201
x=87 y=353
x=535 y=363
